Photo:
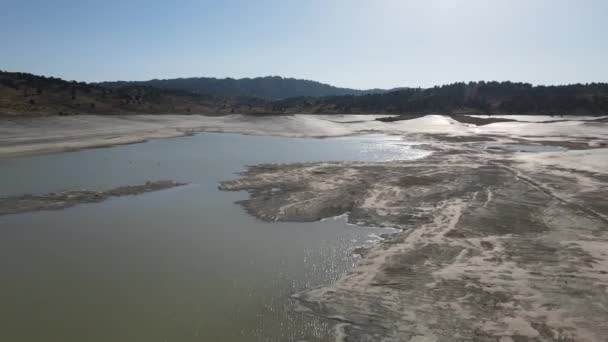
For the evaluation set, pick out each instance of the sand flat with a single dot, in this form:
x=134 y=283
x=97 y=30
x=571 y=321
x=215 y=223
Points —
x=20 y=136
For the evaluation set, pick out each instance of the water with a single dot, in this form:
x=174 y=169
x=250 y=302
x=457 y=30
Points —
x=185 y=264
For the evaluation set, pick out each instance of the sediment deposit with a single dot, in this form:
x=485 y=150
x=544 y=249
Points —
x=67 y=199
x=496 y=245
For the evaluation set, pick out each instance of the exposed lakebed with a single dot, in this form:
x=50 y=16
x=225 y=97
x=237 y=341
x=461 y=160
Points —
x=182 y=264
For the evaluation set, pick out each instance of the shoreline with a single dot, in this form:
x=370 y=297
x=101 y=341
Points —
x=45 y=135
x=496 y=245
x=63 y=200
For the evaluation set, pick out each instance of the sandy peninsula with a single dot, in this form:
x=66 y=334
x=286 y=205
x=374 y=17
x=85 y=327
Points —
x=496 y=245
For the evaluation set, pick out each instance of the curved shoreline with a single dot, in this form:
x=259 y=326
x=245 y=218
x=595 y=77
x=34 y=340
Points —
x=42 y=135
x=27 y=136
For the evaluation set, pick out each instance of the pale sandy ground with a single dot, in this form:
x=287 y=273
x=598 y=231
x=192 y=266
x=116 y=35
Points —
x=496 y=246
x=55 y=134
x=595 y=161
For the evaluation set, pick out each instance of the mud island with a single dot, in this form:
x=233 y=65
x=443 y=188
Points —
x=70 y=198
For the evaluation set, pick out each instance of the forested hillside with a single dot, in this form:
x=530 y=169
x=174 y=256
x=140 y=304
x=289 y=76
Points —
x=473 y=97
x=22 y=93
x=272 y=87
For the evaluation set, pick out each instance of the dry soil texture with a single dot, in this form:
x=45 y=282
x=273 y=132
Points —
x=496 y=246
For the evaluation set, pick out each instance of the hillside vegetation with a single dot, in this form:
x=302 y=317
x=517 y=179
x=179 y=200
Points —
x=272 y=87
x=472 y=97
x=22 y=93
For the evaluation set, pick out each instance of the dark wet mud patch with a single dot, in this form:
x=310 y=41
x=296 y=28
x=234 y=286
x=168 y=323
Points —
x=534 y=148
x=67 y=199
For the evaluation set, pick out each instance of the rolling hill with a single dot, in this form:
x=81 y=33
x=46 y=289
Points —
x=22 y=93
x=271 y=87
x=472 y=98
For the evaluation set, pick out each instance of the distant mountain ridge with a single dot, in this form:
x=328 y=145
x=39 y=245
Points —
x=466 y=98
x=27 y=94
x=269 y=87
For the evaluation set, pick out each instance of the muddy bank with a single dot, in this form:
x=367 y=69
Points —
x=494 y=247
x=67 y=199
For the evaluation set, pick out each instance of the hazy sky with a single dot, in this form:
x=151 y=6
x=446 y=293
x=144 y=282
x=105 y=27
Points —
x=351 y=43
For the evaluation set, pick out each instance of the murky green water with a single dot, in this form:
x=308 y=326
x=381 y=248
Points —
x=185 y=264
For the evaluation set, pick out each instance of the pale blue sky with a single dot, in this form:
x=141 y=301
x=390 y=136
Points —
x=351 y=43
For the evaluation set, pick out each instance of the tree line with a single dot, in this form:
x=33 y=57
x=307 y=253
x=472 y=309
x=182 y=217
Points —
x=477 y=97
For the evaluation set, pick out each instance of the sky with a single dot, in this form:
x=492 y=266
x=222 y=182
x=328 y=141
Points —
x=349 y=43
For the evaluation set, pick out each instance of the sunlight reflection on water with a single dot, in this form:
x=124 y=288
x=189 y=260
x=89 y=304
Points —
x=186 y=264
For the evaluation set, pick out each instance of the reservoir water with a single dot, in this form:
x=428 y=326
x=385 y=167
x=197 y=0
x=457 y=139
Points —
x=185 y=264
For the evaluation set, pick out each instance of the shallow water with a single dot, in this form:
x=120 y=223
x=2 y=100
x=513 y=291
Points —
x=185 y=264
